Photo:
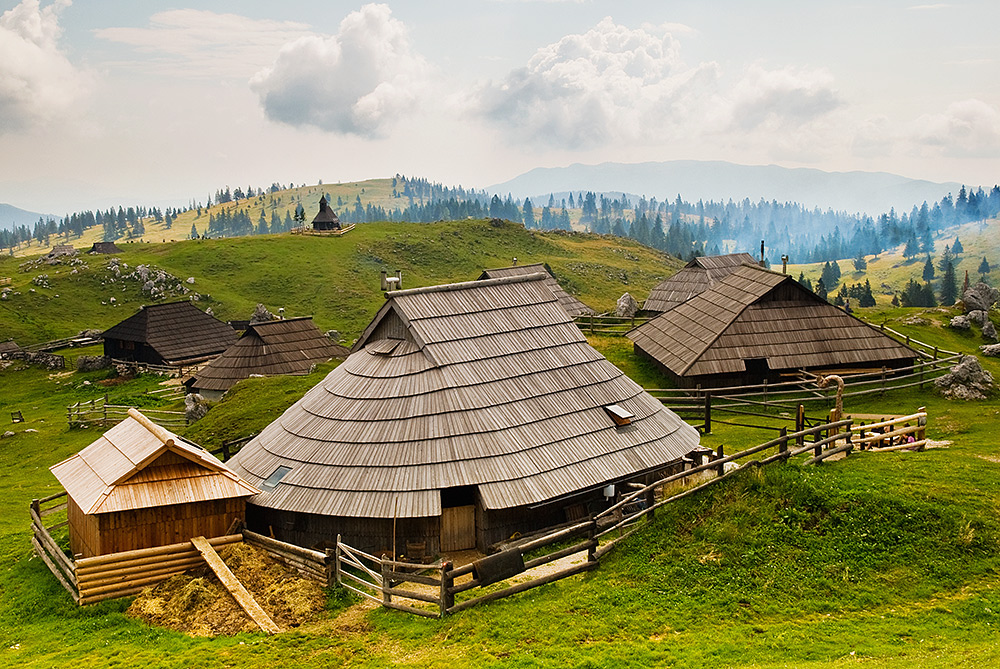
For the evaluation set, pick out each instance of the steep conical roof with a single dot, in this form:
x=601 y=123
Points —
x=485 y=383
x=326 y=218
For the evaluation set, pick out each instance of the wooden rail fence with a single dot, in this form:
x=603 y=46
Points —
x=98 y=411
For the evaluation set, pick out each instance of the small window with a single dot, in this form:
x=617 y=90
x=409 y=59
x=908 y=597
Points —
x=275 y=478
x=620 y=415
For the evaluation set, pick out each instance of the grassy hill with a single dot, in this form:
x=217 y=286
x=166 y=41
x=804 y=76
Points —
x=888 y=559
x=334 y=279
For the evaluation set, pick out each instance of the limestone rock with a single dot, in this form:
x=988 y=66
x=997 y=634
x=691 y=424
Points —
x=626 y=307
x=980 y=297
x=960 y=323
x=195 y=407
x=990 y=331
x=991 y=350
x=966 y=381
x=261 y=315
x=979 y=317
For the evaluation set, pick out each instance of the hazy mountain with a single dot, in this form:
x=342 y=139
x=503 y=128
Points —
x=11 y=216
x=693 y=180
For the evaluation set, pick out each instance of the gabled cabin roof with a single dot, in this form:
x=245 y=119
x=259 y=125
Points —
x=9 y=346
x=104 y=247
x=573 y=306
x=138 y=464
x=272 y=348
x=484 y=383
x=177 y=331
x=326 y=218
x=697 y=276
x=755 y=313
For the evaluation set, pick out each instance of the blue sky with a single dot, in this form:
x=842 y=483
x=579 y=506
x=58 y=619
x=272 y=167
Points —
x=107 y=102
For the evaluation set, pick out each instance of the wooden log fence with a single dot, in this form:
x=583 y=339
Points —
x=98 y=411
x=230 y=448
x=608 y=325
x=311 y=564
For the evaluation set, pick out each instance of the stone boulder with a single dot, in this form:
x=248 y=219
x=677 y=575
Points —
x=261 y=315
x=626 y=307
x=195 y=407
x=92 y=363
x=991 y=350
x=980 y=297
x=979 y=317
x=960 y=323
x=966 y=381
x=990 y=331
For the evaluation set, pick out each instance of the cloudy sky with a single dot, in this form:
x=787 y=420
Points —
x=129 y=101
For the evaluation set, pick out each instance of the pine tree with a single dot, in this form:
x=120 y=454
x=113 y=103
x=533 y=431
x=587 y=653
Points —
x=821 y=288
x=928 y=270
x=860 y=264
x=957 y=248
x=194 y=232
x=984 y=267
x=949 y=287
x=528 y=214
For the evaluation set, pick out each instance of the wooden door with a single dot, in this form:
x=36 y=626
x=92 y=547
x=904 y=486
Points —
x=458 y=528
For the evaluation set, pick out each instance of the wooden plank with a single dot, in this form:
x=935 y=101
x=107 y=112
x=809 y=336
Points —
x=138 y=553
x=240 y=593
x=55 y=570
x=521 y=587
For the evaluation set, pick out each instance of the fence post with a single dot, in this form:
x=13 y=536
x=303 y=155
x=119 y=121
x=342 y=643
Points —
x=331 y=562
x=765 y=391
x=591 y=531
x=708 y=413
x=935 y=352
x=591 y=323
x=922 y=432
x=336 y=561
x=800 y=424
x=447 y=583
x=225 y=451
x=719 y=456
x=386 y=582
x=650 y=495
x=783 y=446
x=882 y=392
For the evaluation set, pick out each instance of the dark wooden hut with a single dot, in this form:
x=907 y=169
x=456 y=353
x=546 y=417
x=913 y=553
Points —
x=272 y=348
x=326 y=218
x=696 y=277
x=172 y=334
x=466 y=413
x=141 y=486
x=7 y=348
x=104 y=248
x=573 y=306
x=756 y=324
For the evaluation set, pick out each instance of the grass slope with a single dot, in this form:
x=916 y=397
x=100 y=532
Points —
x=334 y=279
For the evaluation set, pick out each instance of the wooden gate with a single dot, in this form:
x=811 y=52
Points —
x=458 y=528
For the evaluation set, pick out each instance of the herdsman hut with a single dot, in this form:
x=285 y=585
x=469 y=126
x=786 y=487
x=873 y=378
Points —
x=171 y=334
x=272 y=348
x=756 y=324
x=141 y=486
x=326 y=218
x=573 y=306
x=694 y=278
x=466 y=413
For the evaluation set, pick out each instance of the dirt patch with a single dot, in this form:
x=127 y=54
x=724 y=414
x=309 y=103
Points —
x=196 y=603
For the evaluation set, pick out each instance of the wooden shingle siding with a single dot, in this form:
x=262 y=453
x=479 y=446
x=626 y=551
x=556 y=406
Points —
x=758 y=314
x=493 y=387
x=275 y=348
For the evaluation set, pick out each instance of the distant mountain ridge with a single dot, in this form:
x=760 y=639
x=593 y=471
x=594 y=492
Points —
x=11 y=216
x=869 y=192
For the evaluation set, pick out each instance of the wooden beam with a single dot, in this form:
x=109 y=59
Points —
x=240 y=593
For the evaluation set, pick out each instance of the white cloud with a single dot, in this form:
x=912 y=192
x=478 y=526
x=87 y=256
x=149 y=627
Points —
x=966 y=129
x=360 y=81
x=607 y=85
x=38 y=83
x=194 y=43
x=782 y=98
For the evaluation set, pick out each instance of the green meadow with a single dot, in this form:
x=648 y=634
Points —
x=885 y=559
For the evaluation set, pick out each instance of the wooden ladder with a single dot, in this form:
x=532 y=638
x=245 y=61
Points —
x=239 y=593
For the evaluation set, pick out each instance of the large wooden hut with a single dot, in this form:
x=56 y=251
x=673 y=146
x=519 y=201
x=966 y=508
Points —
x=756 y=324
x=272 y=348
x=573 y=306
x=141 y=486
x=104 y=248
x=326 y=218
x=696 y=277
x=172 y=334
x=466 y=413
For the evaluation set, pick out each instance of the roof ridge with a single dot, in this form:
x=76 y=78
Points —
x=448 y=287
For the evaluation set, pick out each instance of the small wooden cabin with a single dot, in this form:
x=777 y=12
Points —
x=272 y=348
x=573 y=306
x=106 y=248
x=326 y=218
x=466 y=413
x=694 y=278
x=171 y=334
x=141 y=486
x=757 y=325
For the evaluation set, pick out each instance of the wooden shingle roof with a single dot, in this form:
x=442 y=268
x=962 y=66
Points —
x=179 y=331
x=573 y=306
x=696 y=277
x=326 y=218
x=754 y=313
x=138 y=464
x=485 y=383
x=273 y=348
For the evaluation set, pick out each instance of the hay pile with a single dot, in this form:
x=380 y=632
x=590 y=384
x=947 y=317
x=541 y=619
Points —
x=196 y=603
